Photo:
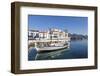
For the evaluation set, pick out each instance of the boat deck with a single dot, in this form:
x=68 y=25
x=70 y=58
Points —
x=54 y=48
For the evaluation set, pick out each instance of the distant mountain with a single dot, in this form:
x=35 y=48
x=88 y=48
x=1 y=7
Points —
x=77 y=36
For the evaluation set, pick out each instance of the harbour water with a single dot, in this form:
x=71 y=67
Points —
x=78 y=49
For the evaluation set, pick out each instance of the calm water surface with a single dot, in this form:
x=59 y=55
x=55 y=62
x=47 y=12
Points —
x=78 y=49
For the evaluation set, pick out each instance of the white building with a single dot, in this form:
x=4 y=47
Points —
x=52 y=34
x=58 y=34
x=43 y=35
x=33 y=34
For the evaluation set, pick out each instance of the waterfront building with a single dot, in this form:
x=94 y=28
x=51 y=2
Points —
x=33 y=34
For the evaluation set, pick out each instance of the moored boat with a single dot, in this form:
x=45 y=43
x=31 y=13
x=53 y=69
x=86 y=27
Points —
x=52 y=40
x=52 y=48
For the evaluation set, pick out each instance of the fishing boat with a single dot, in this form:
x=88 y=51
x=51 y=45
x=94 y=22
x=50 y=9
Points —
x=51 y=40
x=50 y=55
x=52 y=47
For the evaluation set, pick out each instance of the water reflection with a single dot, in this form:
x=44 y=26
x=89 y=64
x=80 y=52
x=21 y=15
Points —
x=49 y=55
x=78 y=49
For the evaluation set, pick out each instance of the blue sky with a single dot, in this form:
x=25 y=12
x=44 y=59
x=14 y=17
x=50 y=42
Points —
x=78 y=25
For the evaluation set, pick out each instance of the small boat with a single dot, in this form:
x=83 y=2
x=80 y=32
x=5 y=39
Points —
x=47 y=49
x=52 y=47
x=52 y=40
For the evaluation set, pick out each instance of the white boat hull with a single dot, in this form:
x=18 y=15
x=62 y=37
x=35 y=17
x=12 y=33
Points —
x=53 y=48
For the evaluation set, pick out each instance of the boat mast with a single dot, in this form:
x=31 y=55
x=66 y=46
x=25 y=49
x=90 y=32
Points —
x=50 y=32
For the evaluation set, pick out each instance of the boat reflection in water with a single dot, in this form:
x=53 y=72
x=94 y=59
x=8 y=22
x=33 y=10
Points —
x=50 y=55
